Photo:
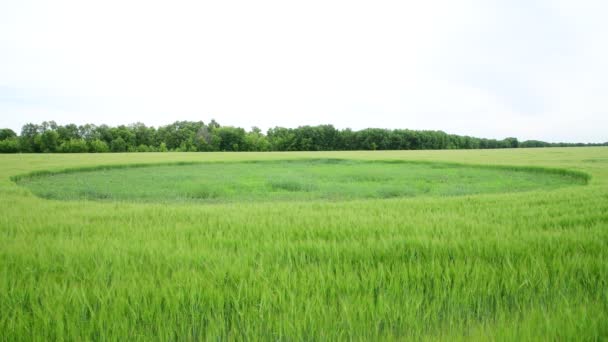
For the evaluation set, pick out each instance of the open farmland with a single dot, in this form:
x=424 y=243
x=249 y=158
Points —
x=479 y=244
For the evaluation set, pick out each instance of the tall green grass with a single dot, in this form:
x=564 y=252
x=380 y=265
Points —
x=506 y=266
x=313 y=179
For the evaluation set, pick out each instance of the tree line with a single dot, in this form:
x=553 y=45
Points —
x=196 y=136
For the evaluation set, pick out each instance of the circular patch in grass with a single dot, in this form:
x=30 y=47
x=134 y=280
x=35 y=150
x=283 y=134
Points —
x=320 y=179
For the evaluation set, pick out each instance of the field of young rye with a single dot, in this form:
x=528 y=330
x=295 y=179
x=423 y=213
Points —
x=283 y=180
x=482 y=244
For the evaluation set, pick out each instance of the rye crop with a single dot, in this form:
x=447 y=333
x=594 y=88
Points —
x=519 y=252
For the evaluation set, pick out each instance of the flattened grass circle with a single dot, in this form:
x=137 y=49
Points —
x=289 y=180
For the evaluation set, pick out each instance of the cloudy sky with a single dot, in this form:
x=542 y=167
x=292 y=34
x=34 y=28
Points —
x=533 y=69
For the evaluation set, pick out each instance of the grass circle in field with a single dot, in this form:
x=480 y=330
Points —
x=293 y=180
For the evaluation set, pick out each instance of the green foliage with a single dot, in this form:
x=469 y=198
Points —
x=230 y=138
x=98 y=146
x=73 y=146
x=180 y=134
x=511 y=143
x=48 y=141
x=533 y=143
x=282 y=139
x=515 y=266
x=189 y=136
x=7 y=133
x=256 y=141
x=144 y=136
x=9 y=145
x=68 y=132
x=118 y=145
x=27 y=140
x=143 y=148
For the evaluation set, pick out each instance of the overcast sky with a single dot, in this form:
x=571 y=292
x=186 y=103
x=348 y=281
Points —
x=533 y=69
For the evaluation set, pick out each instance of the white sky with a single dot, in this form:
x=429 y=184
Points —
x=533 y=69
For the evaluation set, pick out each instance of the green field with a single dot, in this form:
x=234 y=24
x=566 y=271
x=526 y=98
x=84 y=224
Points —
x=451 y=245
x=283 y=180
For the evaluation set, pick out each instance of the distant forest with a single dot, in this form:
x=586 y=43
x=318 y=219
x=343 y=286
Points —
x=190 y=136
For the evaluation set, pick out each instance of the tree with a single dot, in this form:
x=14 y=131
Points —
x=68 y=132
x=204 y=140
x=9 y=145
x=126 y=134
x=281 y=139
x=118 y=145
x=87 y=132
x=327 y=137
x=143 y=135
x=48 y=126
x=98 y=146
x=28 y=138
x=175 y=134
x=193 y=136
x=143 y=148
x=6 y=133
x=230 y=138
x=373 y=139
x=510 y=142
x=534 y=143
x=256 y=141
x=103 y=133
x=74 y=146
x=346 y=140
x=213 y=124
x=49 y=141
